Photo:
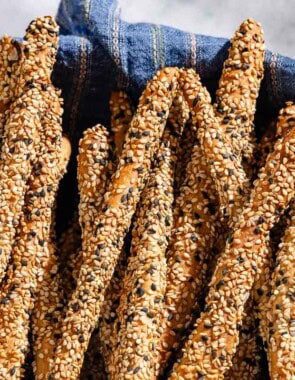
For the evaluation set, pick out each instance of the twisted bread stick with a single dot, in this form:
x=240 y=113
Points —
x=210 y=347
x=281 y=310
x=18 y=150
x=112 y=223
x=95 y=167
x=239 y=86
x=278 y=311
x=141 y=301
x=181 y=296
x=17 y=293
x=236 y=97
x=49 y=296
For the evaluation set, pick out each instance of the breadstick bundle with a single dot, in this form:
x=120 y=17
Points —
x=179 y=262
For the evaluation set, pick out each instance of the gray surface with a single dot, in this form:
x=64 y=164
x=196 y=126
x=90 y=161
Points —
x=214 y=17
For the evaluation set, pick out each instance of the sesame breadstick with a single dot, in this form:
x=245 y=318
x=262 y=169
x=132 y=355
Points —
x=236 y=96
x=194 y=232
x=232 y=191
x=49 y=296
x=210 y=347
x=102 y=341
x=18 y=149
x=281 y=309
x=17 y=292
x=121 y=116
x=197 y=224
x=192 y=237
x=239 y=86
x=108 y=331
x=247 y=360
x=113 y=222
x=236 y=100
x=95 y=151
x=141 y=302
x=277 y=312
x=225 y=168
x=95 y=167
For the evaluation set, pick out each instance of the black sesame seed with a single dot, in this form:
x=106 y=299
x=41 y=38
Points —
x=75 y=307
x=195 y=101
x=220 y=284
x=161 y=113
x=12 y=371
x=130 y=317
x=140 y=291
x=212 y=208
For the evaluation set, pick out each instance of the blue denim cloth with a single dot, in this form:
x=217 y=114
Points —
x=99 y=52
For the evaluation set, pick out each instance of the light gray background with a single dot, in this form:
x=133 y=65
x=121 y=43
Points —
x=214 y=17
